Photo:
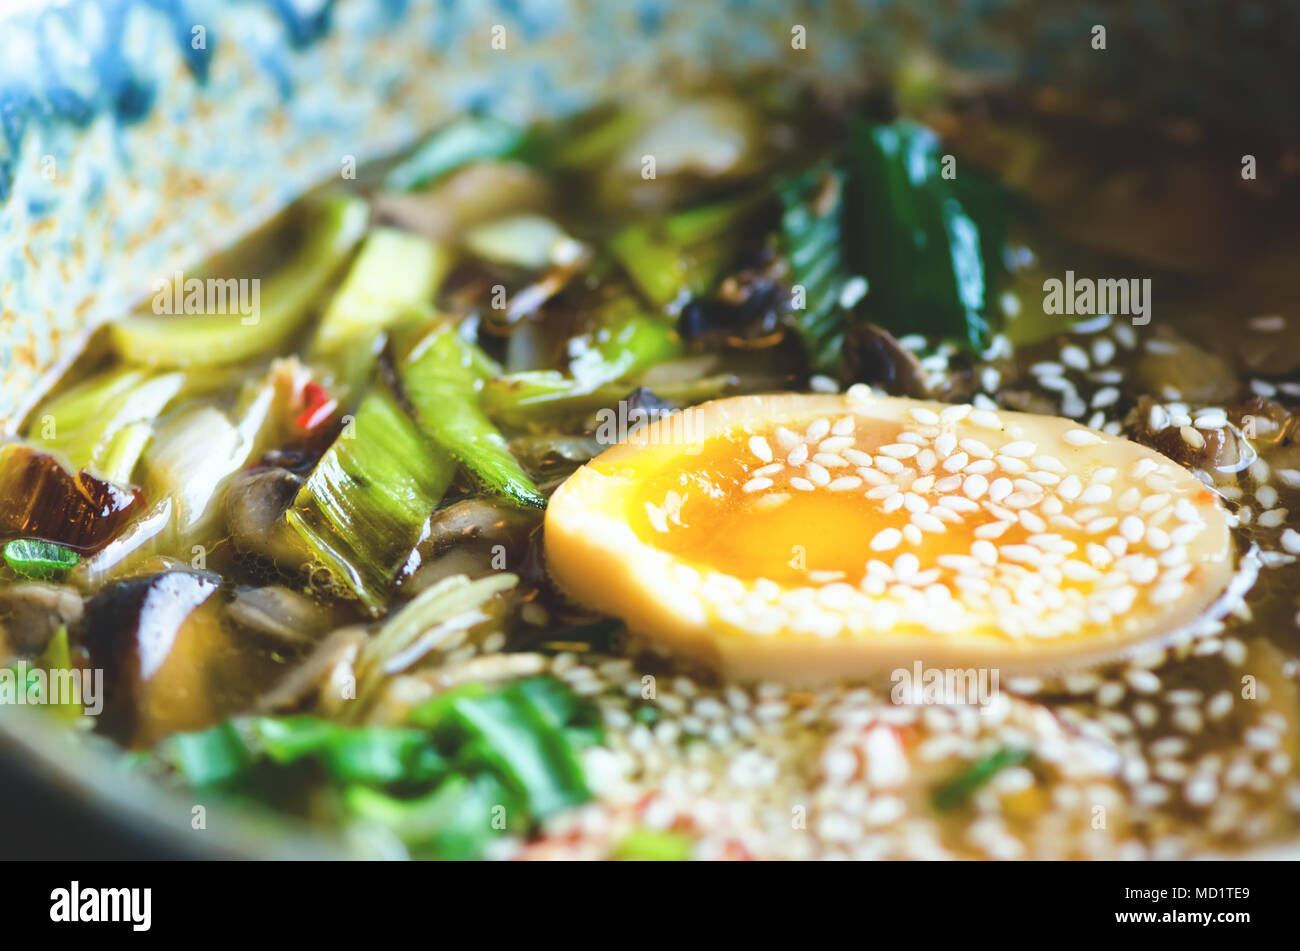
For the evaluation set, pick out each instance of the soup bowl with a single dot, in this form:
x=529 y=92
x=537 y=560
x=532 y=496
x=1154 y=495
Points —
x=137 y=138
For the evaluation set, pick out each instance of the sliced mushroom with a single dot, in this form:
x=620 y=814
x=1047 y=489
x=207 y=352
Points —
x=279 y=612
x=255 y=504
x=133 y=630
x=31 y=613
x=872 y=355
x=1219 y=450
x=473 y=537
x=326 y=678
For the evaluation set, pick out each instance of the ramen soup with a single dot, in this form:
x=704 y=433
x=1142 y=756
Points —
x=736 y=474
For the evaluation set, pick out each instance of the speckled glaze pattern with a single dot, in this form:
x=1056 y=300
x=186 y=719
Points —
x=137 y=136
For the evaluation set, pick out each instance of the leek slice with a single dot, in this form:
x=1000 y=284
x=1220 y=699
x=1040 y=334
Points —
x=630 y=346
x=395 y=273
x=103 y=424
x=286 y=301
x=193 y=457
x=441 y=381
x=685 y=252
x=361 y=510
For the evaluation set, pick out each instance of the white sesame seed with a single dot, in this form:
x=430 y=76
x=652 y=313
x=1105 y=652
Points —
x=928 y=523
x=1020 y=449
x=817 y=430
x=817 y=474
x=844 y=483
x=975 y=486
x=886 y=539
x=787 y=439
x=899 y=450
x=759 y=447
x=1081 y=437
x=829 y=460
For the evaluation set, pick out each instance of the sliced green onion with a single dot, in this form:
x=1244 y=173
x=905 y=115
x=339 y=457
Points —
x=630 y=346
x=457 y=144
x=284 y=303
x=361 y=509
x=39 y=560
x=653 y=845
x=208 y=756
x=956 y=791
x=532 y=757
x=455 y=822
x=685 y=252
x=441 y=381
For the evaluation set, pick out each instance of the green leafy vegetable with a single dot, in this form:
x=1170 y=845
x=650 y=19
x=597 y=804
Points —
x=455 y=822
x=441 y=380
x=39 y=560
x=210 y=756
x=192 y=457
x=460 y=142
x=928 y=243
x=961 y=787
x=474 y=763
x=812 y=210
x=361 y=509
x=284 y=302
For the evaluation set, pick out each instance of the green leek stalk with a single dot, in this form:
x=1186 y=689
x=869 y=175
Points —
x=361 y=510
x=104 y=423
x=441 y=381
x=630 y=346
x=395 y=273
x=686 y=251
x=285 y=302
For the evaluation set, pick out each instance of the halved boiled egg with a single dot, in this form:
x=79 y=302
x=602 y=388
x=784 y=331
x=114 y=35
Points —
x=816 y=538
